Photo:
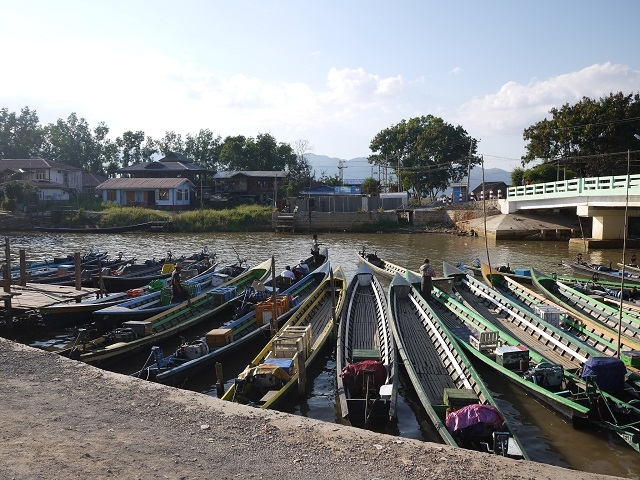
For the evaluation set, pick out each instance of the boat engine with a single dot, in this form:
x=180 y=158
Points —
x=193 y=350
x=546 y=374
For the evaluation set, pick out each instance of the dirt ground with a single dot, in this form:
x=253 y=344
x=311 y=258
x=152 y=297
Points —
x=65 y=419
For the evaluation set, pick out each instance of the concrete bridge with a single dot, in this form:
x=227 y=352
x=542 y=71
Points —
x=602 y=198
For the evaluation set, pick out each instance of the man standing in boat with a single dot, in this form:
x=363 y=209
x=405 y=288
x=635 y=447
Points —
x=178 y=292
x=427 y=272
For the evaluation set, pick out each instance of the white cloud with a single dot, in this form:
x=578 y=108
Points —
x=455 y=71
x=515 y=107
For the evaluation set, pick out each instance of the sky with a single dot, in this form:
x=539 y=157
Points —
x=330 y=73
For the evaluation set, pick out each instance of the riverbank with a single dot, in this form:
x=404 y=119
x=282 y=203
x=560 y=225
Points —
x=66 y=419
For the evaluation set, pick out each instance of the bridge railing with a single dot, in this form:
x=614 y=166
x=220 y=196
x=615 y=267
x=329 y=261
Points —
x=611 y=185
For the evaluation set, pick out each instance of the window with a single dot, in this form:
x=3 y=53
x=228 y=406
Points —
x=111 y=195
x=178 y=195
x=186 y=194
x=163 y=194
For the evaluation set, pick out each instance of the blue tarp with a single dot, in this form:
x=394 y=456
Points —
x=610 y=373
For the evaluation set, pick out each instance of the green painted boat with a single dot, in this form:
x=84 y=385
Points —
x=445 y=380
x=134 y=337
x=564 y=361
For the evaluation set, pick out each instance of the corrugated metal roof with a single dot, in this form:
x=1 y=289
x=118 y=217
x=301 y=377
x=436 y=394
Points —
x=142 y=183
x=27 y=163
x=160 y=166
x=250 y=173
x=90 y=179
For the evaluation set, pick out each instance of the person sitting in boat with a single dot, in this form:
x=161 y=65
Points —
x=178 y=292
x=287 y=275
x=301 y=270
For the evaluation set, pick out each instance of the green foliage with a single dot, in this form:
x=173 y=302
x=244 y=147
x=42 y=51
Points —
x=517 y=177
x=21 y=135
x=14 y=190
x=132 y=149
x=171 y=142
x=590 y=137
x=115 y=216
x=426 y=153
x=244 y=218
x=370 y=186
x=261 y=153
x=332 y=181
x=204 y=148
x=298 y=168
x=9 y=205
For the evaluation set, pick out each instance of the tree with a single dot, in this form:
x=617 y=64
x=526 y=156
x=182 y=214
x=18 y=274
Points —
x=426 y=153
x=262 y=153
x=232 y=153
x=130 y=145
x=590 y=137
x=73 y=143
x=204 y=149
x=330 y=181
x=298 y=168
x=171 y=142
x=21 y=135
x=371 y=186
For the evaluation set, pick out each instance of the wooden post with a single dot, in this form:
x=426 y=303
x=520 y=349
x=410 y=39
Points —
x=6 y=276
x=6 y=273
x=302 y=373
x=101 y=292
x=7 y=258
x=274 y=318
x=23 y=267
x=219 y=380
x=78 y=273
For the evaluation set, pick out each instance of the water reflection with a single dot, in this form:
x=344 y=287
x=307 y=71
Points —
x=549 y=438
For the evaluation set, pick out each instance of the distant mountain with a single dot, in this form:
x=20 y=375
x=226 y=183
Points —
x=358 y=168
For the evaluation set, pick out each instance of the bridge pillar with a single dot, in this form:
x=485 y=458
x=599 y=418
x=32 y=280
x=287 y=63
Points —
x=608 y=223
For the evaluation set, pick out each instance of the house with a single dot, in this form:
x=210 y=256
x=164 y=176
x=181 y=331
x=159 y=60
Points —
x=54 y=181
x=172 y=193
x=248 y=186
x=173 y=165
x=90 y=181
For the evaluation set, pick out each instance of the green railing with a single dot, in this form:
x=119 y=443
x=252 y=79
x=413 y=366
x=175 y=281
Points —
x=609 y=186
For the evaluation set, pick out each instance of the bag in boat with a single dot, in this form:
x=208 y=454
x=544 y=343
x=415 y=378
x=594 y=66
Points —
x=266 y=375
x=472 y=415
x=609 y=372
x=353 y=374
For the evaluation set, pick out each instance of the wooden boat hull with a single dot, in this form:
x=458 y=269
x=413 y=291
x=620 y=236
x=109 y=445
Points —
x=303 y=335
x=463 y=322
x=146 y=306
x=365 y=333
x=381 y=267
x=65 y=315
x=103 y=350
x=175 y=370
x=422 y=340
x=597 y=322
x=549 y=343
x=125 y=228
x=589 y=272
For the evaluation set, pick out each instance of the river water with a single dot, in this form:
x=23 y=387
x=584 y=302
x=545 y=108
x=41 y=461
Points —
x=547 y=436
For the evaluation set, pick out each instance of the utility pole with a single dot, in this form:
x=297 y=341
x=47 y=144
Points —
x=341 y=167
x=469 y=168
